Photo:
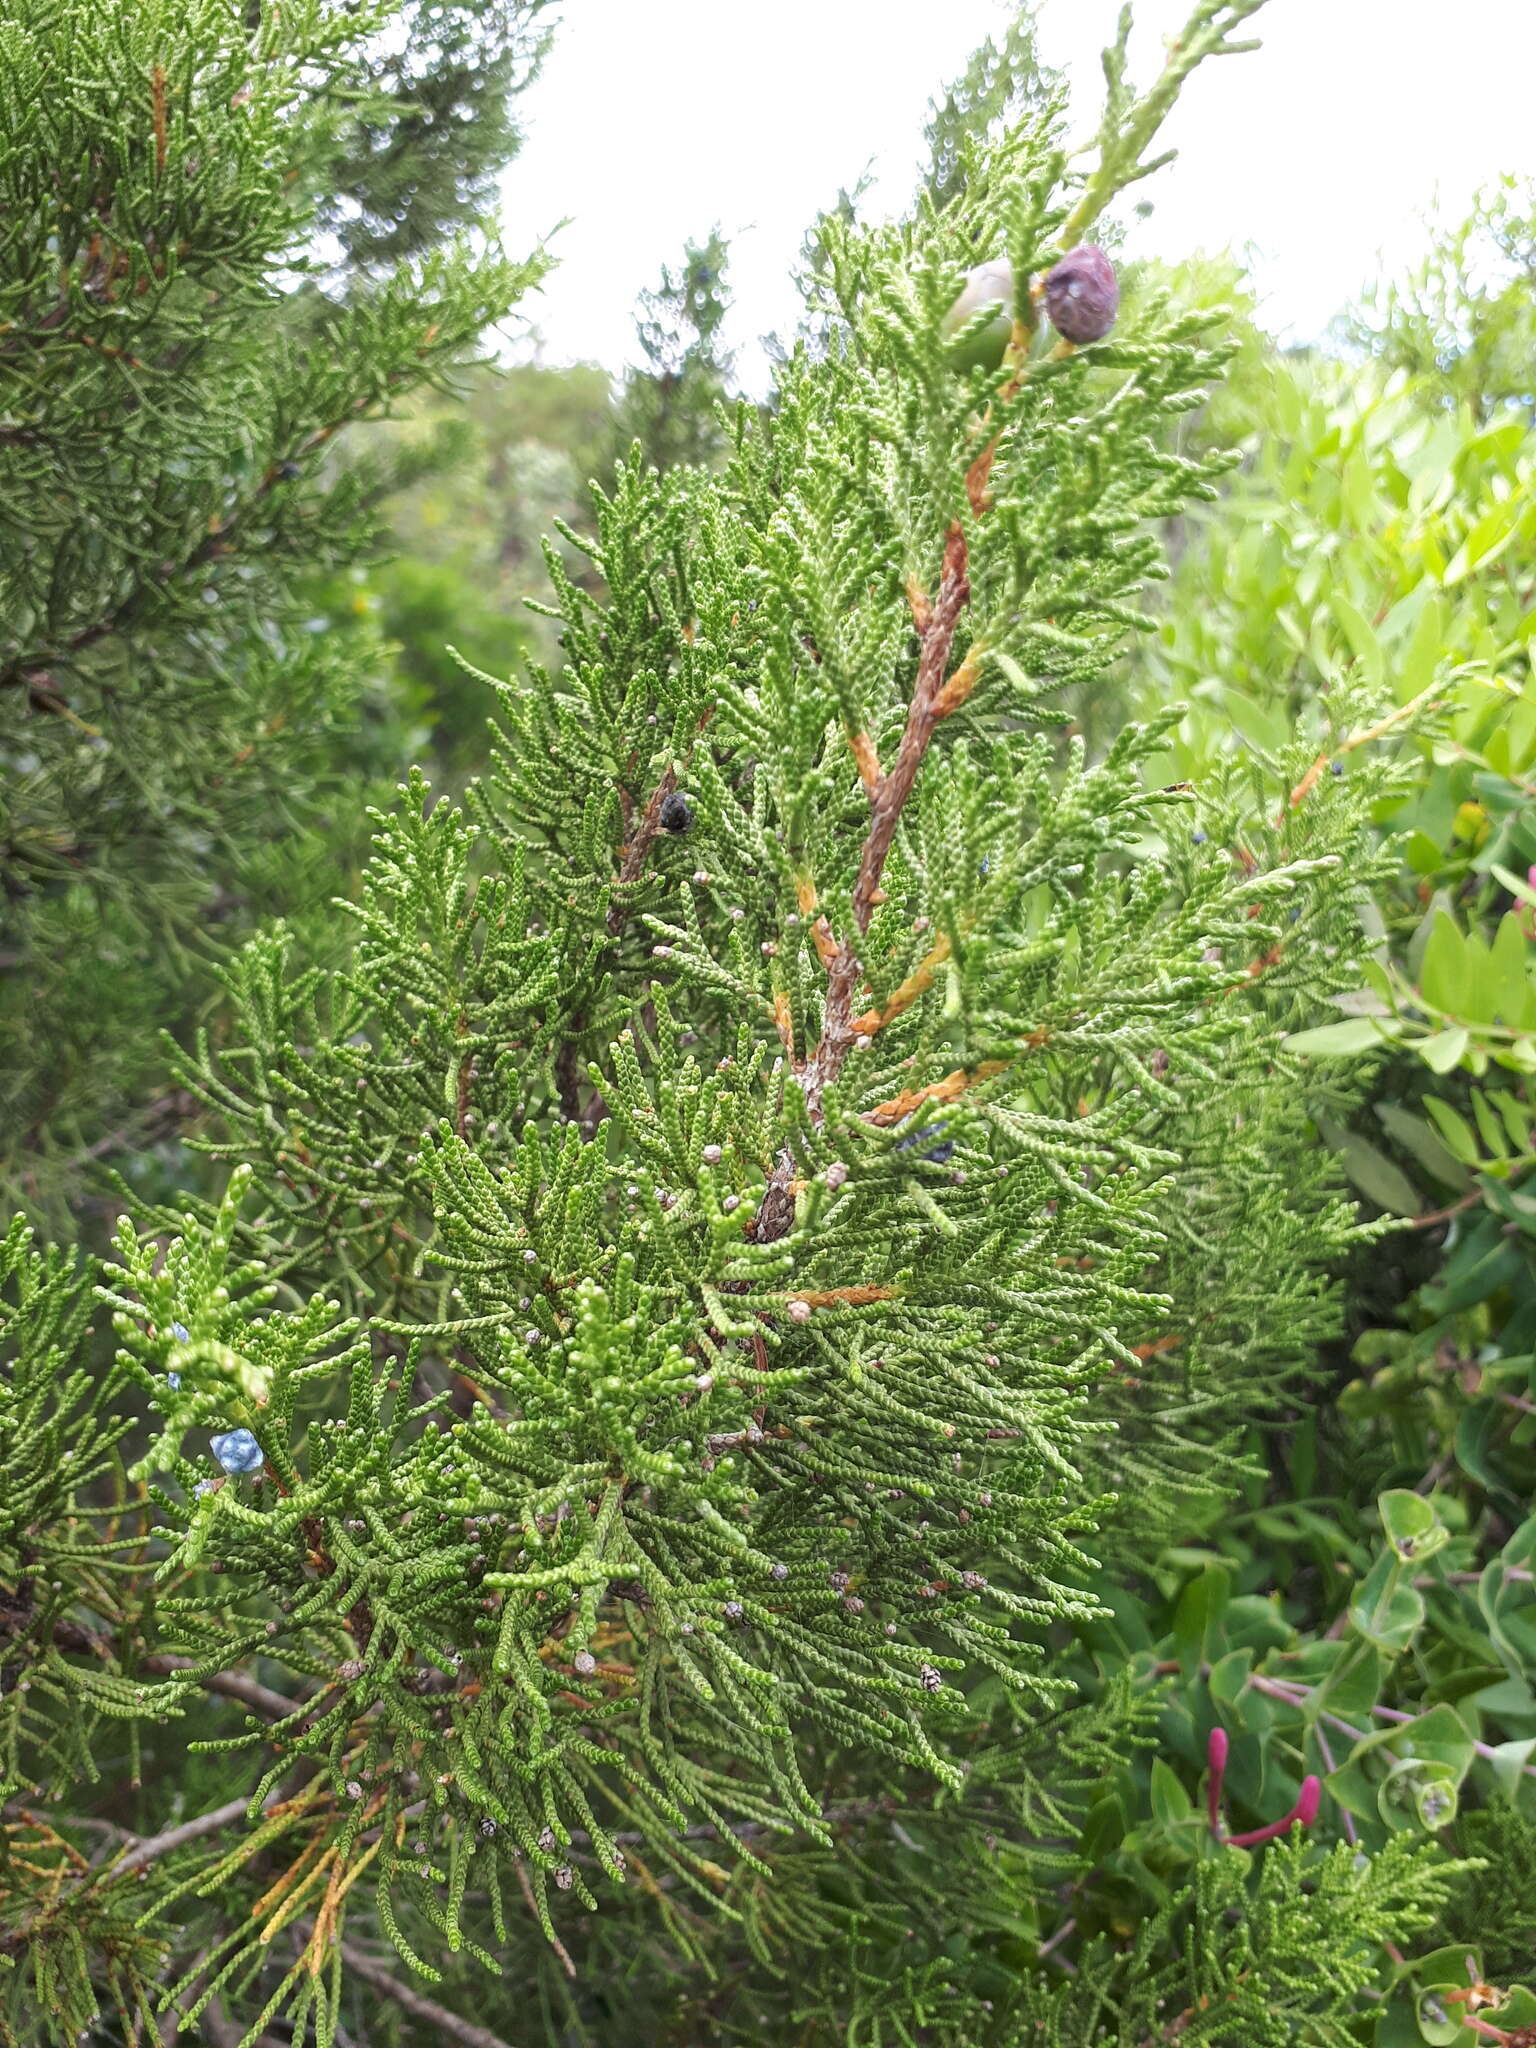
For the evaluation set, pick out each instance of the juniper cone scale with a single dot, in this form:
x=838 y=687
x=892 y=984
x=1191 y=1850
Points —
x=657 y=1457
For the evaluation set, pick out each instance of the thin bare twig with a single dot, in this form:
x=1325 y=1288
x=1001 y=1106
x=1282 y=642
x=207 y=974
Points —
x=533 y=1906
x=72 y=1635
x=232 y=1685
x=632 y=867
x=382 y=1978
x=1444 y=1215
x=153 y=1847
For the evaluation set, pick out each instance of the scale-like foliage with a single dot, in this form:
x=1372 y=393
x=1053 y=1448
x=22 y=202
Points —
x=170 y=395
x=794 y=1174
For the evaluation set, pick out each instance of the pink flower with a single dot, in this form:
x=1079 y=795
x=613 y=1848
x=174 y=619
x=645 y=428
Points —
x=1304 y=1812
x=1216 y=1758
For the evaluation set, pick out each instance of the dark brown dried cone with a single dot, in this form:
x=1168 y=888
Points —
x=1082 y=295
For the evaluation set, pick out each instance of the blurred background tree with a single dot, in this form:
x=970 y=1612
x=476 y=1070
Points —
x=414 y=153
x=1004 y=81
x=271 y=229
x=502 y=459
x=671 y=403
x=1463 y=320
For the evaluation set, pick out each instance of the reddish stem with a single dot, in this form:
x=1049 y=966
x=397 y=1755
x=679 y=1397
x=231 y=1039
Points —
x=1216 y=1758
x=1304 y=1812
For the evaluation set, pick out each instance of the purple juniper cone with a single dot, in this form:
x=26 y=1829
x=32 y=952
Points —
x=1082 y=295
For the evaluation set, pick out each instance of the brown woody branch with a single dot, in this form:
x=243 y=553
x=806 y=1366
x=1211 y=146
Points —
x=887 y=802
x=533 y=1906
x=1352 y=740
x=427 y=2009
x=632 y=866
x=917 y=983
x=234 y=1685
x=157 y=1119
x=935 y=693
x=846 y=1297
x=155 y=1846
x=901 y=1106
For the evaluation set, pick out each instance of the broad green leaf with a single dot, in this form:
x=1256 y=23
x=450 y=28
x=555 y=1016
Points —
x=1465 y=1681
x=1508 y=1763
x=1103 y=1830
x=1413 y=1528
x=1252 y=1621
x=1440 y=2024
x=1485 y=543
x=1398 y=2026
x=1416 y=671
x=1197 y=1620
x=1417 y=1137
x=1519 y=1551
x=1372 y=1172
x=1444 y=972
x=1445 y=1049
x=1387 y=1609
x=1229 y=1678
x=1331 y=1041
x=1489 y=1127
x=1354 y=1685
x=1423 y=854
x=1515 y=998
x=1353 y=1786
x=1362 y=1002
x=1500 y=1597
x=1454 y=1128
x=1361 y=636
x=1413 y=959
x=1170 y=1802
x=1478 y=1429
x=1515 y=1117
x=1440 y=1737
x=1517 y=885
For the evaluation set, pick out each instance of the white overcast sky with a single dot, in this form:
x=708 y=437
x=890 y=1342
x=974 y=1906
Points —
x=1319 y=153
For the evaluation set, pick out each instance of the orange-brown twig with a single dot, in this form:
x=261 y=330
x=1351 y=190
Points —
x=1362 y=738
x=868 y=762
x=157 y=103
x=854 y=1297
x=783 y=1023
x=821 y=931
x=948 y=1090
x=917 y=983
x=1156 y=1350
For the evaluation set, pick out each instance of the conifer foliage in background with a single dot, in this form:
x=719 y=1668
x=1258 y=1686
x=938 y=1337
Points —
x=671 y=406
x=170 y=393
x=413 y=154
x=635 y=1506
x=1004 y=81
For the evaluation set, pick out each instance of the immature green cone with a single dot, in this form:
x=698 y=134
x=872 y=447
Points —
x=988 y=288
